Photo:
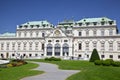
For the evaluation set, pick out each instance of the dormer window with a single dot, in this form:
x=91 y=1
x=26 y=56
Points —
x=94 y=23
x=80 y=24
x=47 y=25
x=31 y=26
x=87 y=23
x=20 y=26
x=43 y=25
x=84 y=20
x=110 y=22
x=102 y=23
x=25 y=26
x=37 y=26
x=102 y=19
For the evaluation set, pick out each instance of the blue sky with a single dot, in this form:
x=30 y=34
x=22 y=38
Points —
x=16 y=12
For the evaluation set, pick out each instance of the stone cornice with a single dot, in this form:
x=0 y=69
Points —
x=84 y=27
x=22 y=38
x=34 y=29
x=95 y=37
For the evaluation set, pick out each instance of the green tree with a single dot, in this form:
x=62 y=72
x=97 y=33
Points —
x=94 y=56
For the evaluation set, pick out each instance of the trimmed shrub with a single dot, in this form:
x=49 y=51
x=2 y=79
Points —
x=46 y=59
x=19 y=61
x=14 y=64
x=116 y=63
x=110 y=60
x=106 y=63
x=94 y=56
x=52 y=59
x=98 y=62
x=19 y=64
x=9 y=65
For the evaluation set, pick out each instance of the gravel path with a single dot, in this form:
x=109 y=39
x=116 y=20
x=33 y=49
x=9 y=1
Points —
x=51 y=72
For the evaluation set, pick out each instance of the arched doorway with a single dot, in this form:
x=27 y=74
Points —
x=57 y=49
x=49 y=50
x=65 y=49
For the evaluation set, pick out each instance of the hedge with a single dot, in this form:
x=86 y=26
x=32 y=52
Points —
x=107 y=62
x=52 y=59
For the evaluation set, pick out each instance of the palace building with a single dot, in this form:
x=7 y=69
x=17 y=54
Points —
x=40 y=39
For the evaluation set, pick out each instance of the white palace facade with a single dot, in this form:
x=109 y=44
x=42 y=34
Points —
x=40 y=39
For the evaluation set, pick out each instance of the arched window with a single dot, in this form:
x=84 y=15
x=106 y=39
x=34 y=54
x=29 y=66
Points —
x=49 y=50
x=43 y=34
x=102 y=32
x=65 y=49
x=57 y=49
x=19 y=34
x=94 y=32
x=110 y=32
x=25 y=34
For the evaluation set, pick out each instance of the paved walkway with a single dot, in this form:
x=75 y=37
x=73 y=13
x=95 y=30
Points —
x=51 y=72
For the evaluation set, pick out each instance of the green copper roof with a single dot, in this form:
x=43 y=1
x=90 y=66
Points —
x=40 y=23
x=94 y=20
x=66 y=22
x=7 y=34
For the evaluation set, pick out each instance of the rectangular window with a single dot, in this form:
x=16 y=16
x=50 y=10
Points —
x=24 y=46
x=18 y=46
x=36 y=55
x=30 y=46
x=102 y=46
x=42 y=46
x=13 y=54
x=13 y=46
x=94 y=45
x=30 y=55
x=8 y=46
x=118 y=46
x=111 y=56
x=118 y=56
x=87 y=56
x=80 y=46
x=102 y=56
x=36 y=46
x=2 y=46
x=110 y=46
x=87 y=46
x=80 y=34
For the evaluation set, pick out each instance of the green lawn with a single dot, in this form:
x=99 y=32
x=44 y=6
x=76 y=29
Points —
x=88 y=70
x=16 y=73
